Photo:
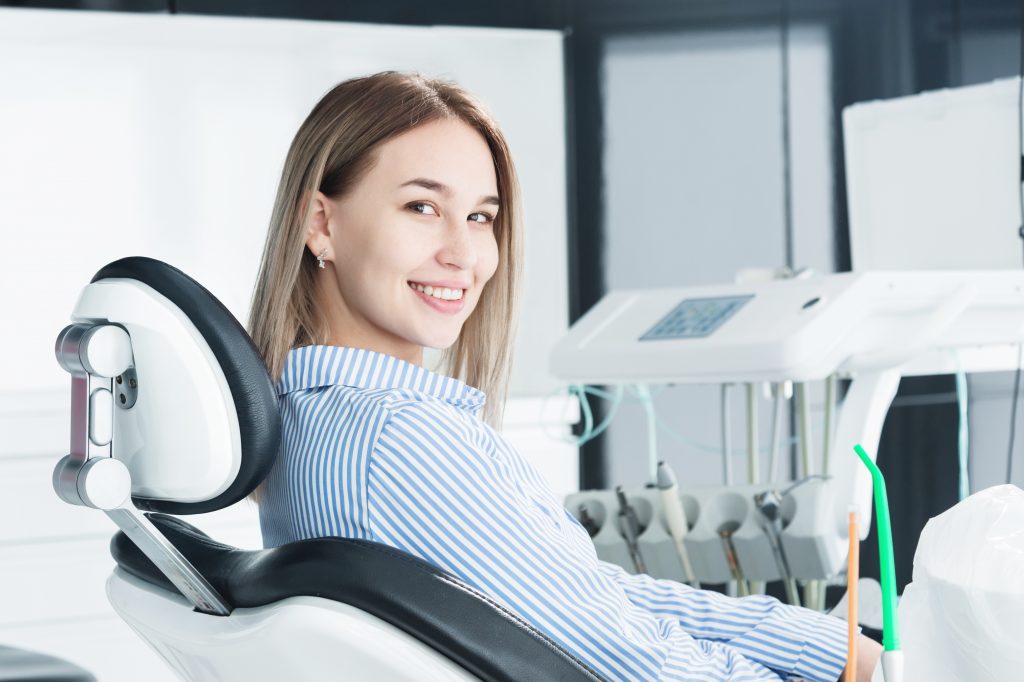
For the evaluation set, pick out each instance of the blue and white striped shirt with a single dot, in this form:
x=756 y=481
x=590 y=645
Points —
x=380 y=449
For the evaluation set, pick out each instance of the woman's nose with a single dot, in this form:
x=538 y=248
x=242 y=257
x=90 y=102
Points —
x=458 y=249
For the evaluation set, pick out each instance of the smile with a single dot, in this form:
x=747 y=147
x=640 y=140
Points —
x=436 y=298
x=441 y=293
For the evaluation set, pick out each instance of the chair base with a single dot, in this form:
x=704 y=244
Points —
x=299 y=638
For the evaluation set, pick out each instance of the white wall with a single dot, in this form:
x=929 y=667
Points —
x=693 y=175
x=128 y=134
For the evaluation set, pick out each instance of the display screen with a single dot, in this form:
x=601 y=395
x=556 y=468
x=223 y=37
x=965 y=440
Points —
x=695 y=318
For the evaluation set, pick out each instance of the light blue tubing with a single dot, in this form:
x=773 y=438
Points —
x=962 y=440
x=644 y=394
x=617 y=398
x=590 y=432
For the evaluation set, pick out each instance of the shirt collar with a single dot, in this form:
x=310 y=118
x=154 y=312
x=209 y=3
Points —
x=316 y=366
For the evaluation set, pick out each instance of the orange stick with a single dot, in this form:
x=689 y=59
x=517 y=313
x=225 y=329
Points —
x=852 y=577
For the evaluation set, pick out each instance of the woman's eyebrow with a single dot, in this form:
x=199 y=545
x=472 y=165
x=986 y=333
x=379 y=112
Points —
x=444 y=189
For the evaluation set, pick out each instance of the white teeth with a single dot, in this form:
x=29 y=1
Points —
x=443 y=293
x=453 y=294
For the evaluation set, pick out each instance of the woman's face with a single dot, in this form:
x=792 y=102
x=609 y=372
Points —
x=412 y=244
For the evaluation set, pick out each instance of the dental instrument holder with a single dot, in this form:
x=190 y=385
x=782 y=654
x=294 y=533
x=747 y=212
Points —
x=809 y=537
x=868 y=327
x=769 y=504
x=99 y=358
x=630 y=528
x=675 y=518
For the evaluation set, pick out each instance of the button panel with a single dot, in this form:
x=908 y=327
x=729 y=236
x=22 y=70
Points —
x=696 y=318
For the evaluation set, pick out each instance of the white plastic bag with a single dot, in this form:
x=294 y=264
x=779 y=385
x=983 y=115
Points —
x=962 y=618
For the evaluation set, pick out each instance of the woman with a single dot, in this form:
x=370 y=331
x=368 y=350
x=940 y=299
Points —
x=395 y=228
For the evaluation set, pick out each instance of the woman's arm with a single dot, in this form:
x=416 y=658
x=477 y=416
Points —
x=785 y=638
x=869 y=653
x=466 y=502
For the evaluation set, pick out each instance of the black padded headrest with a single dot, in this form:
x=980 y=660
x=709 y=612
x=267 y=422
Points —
x=253 y=392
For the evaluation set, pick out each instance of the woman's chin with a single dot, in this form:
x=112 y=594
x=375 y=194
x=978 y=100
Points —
x=437 y=340
x=441 y=345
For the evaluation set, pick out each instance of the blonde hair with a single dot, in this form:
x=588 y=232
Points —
x=332 y=149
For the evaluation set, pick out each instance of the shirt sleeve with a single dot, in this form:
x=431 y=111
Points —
x=442 y=490
x=790 y=639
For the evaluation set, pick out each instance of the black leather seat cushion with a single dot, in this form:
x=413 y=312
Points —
x=431 y=605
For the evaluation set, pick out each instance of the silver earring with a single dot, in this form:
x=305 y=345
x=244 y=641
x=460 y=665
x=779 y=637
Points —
x=320 y=259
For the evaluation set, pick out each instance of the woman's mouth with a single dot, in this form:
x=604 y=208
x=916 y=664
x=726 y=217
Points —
x=442 y=293
x=442 y=299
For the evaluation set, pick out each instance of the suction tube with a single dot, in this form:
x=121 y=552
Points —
x=892 y=657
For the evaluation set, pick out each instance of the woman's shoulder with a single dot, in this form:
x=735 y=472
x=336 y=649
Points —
x=435 y=422
x=409 y=403
x=388 y=413
x=368 y=399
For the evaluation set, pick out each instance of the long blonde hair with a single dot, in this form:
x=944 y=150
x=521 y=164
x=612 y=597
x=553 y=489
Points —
x=332 y=149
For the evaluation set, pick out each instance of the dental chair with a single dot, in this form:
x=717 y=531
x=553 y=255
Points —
x=173 y=413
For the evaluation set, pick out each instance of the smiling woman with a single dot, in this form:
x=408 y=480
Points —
x=410 y=258
x=395 y=180
x=404 y=190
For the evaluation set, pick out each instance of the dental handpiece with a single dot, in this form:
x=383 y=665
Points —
x=675 y=516
x=769 y=504
x=587 y=521
x=730 y=558
x=630 y=527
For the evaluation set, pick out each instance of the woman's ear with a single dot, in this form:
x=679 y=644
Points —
x=318 y=224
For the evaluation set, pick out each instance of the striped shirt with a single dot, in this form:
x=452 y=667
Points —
x=380 y=449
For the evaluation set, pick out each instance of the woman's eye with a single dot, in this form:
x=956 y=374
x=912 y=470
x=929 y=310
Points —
x=422 y=208
x=483 y=217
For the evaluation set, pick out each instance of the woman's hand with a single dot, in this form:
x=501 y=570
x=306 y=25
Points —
x=868 y=653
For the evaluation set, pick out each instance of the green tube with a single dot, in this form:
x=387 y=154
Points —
x=890 y=622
